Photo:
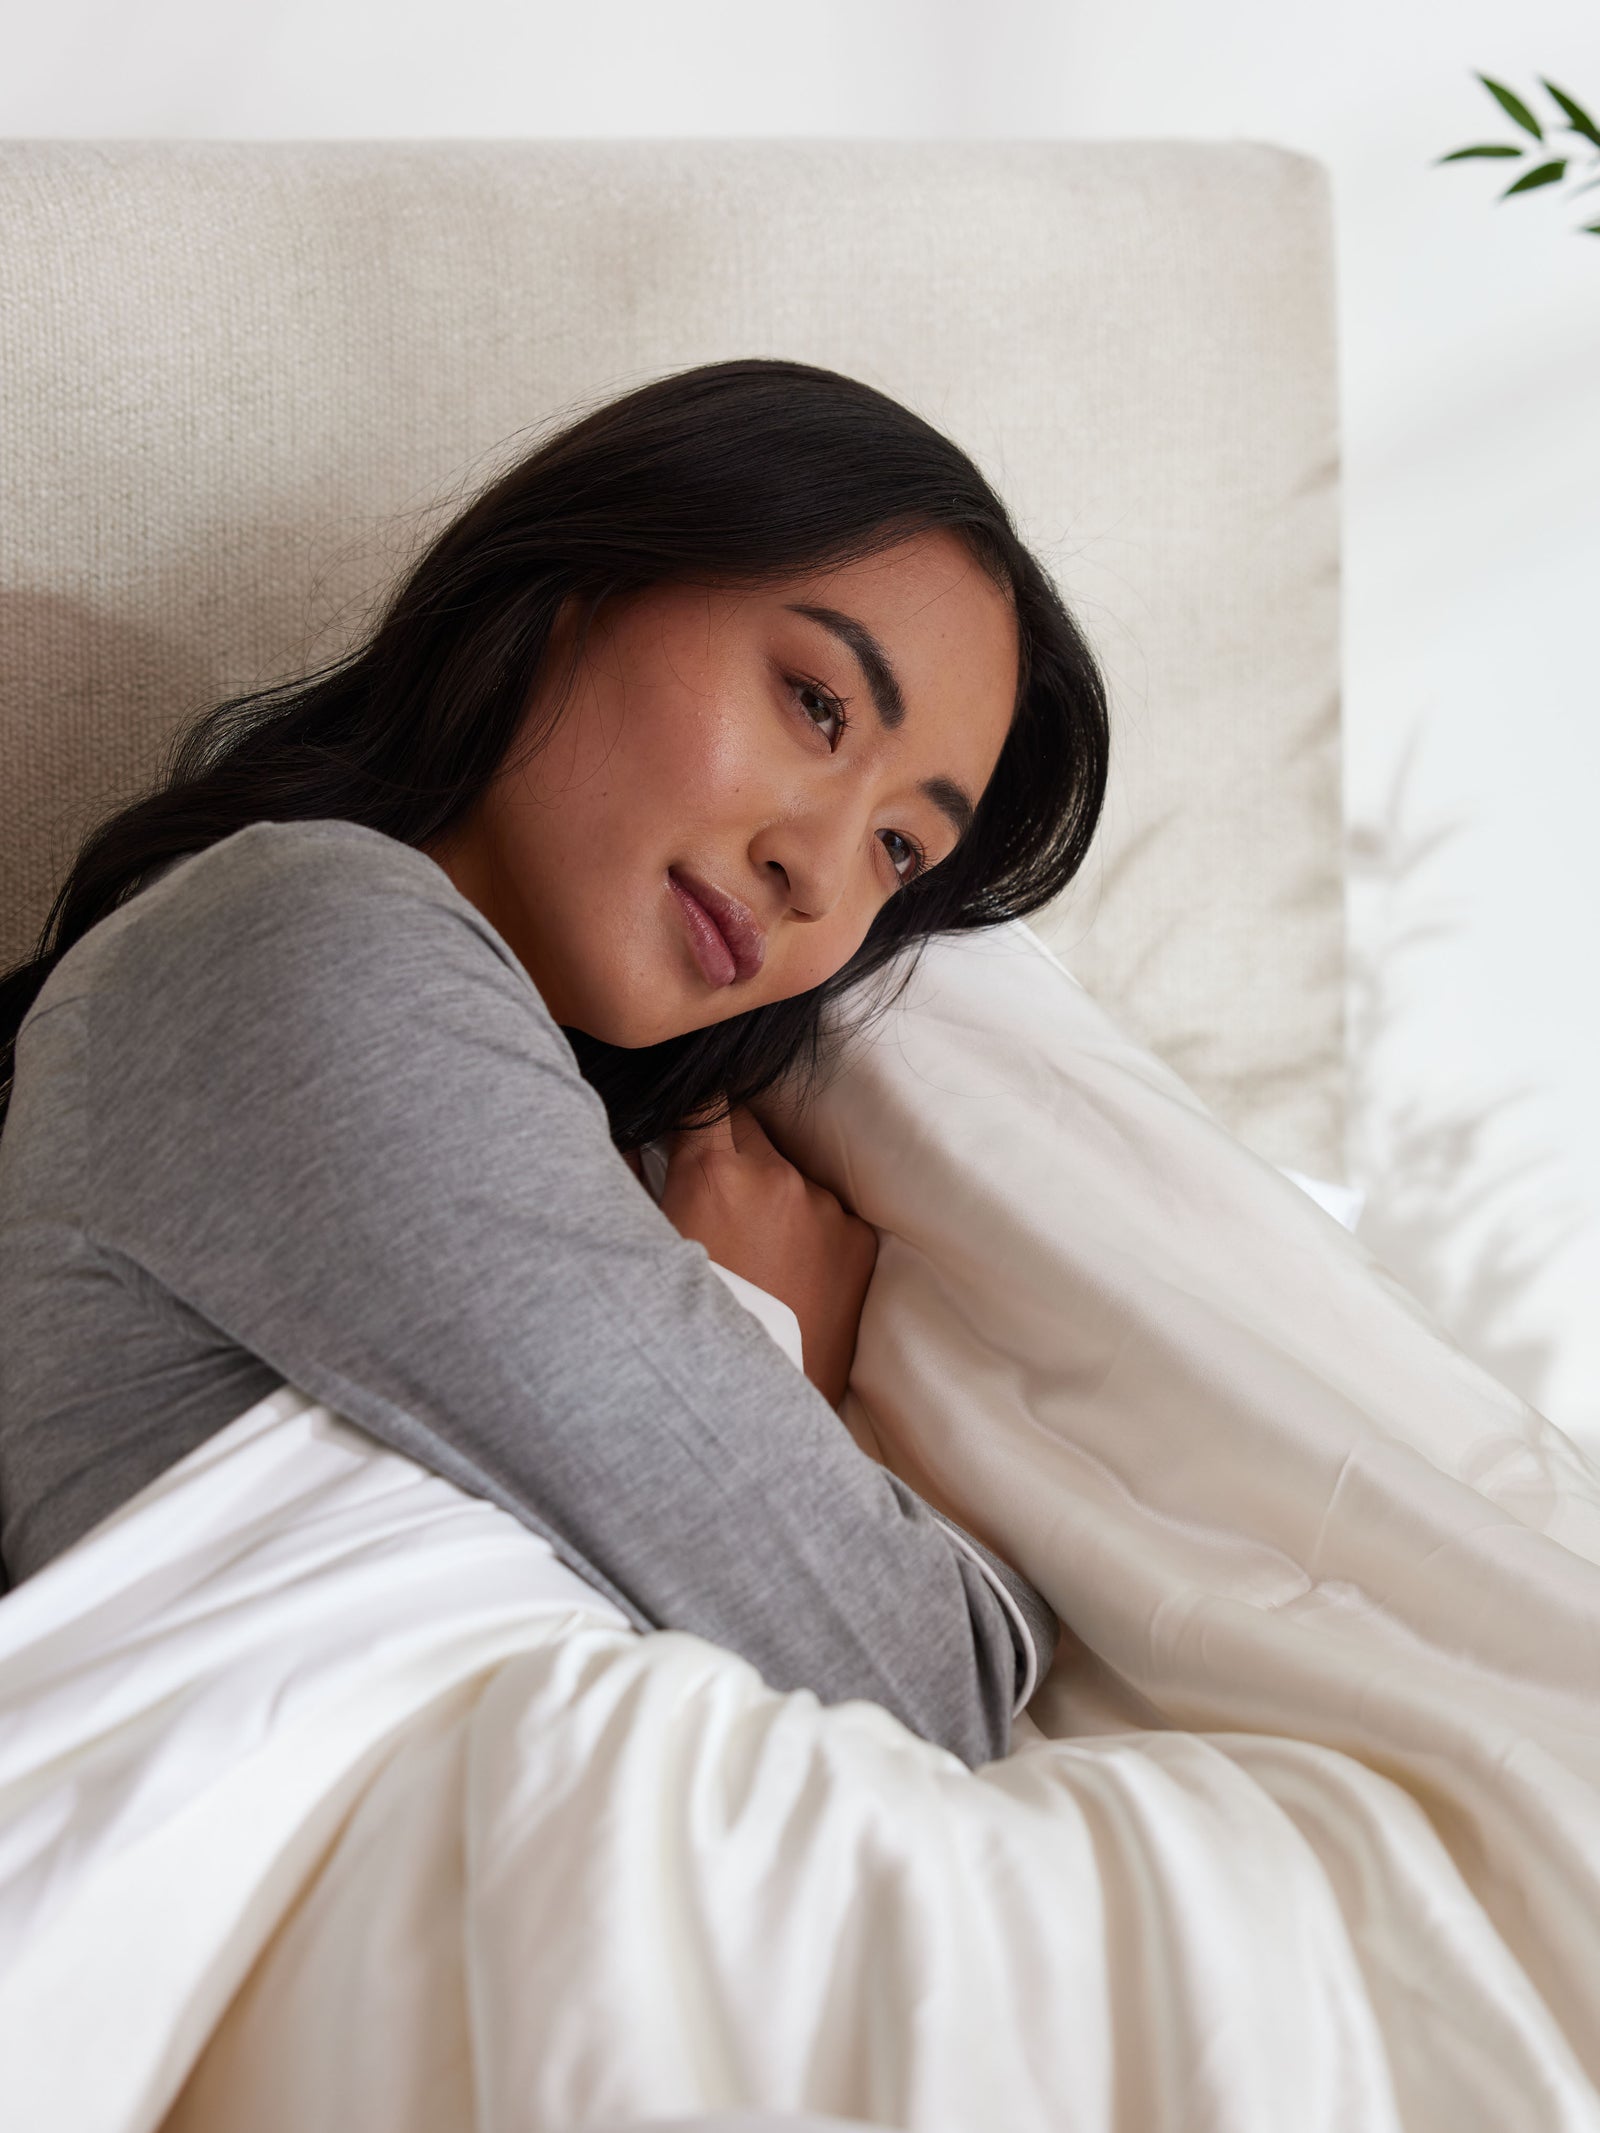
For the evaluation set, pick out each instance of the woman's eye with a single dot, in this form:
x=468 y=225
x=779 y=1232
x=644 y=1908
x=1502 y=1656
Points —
x=915 y=852
x=813 y=698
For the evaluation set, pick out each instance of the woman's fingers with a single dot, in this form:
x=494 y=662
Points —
x=732 y=1190
x=739 y=1132
x=692 y=1149
x=748 y=1133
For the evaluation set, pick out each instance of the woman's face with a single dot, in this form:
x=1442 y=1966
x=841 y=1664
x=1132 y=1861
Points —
x=704 y=746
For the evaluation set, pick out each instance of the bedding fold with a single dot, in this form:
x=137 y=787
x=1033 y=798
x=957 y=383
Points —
x=378 y=1819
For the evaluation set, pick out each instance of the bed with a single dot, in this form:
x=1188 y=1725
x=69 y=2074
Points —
x=1303 y=1826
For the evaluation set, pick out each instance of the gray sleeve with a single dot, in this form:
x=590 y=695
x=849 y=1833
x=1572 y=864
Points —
x=1035 y=1628
x=332 y=1114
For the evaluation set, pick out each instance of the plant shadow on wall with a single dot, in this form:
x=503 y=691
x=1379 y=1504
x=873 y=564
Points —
x=1468 y=1231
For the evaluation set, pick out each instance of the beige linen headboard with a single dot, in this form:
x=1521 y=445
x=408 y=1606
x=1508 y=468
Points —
x=240 y=383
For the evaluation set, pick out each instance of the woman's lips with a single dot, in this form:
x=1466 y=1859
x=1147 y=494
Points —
x=727 y=941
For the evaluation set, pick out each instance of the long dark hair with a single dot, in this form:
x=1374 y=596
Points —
x=750 y=472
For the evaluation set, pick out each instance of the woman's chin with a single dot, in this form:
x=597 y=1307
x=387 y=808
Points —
x=634 y=1024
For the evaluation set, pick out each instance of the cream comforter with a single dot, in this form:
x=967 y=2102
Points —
x=329 y=1800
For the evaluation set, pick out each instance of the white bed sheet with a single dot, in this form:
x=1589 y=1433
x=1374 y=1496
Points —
x=332 y=1802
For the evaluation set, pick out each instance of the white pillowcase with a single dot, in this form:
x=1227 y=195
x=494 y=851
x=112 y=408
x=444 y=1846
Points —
x=1343 y=1202
x=1143 y=1365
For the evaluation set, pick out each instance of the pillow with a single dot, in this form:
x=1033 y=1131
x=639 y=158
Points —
x=1240 y=1461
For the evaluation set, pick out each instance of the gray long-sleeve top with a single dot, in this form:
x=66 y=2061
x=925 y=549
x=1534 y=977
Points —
x=295 y=1112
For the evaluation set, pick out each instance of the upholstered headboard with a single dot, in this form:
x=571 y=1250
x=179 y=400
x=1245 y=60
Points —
x=241 y=382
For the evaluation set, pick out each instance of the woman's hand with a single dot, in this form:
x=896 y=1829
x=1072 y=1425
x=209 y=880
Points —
x=756 y=1214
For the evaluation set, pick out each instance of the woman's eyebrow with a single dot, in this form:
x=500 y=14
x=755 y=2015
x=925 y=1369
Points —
x=889 y=699
x=871 y=657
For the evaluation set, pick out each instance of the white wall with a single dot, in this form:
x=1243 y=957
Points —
x=1471 y=373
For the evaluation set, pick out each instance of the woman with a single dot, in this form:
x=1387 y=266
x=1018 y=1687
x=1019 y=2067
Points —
x=337 y=1046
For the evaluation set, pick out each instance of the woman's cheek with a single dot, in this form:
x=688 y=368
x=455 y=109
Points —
x=822 y=958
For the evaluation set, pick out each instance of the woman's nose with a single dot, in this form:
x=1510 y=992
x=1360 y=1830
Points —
x=811 y=868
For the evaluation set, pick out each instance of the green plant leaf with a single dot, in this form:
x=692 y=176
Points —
x=1546 y=174
x=1459 y=155
x=1513 y=106
x=1590 y=229
x=1581 y=121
